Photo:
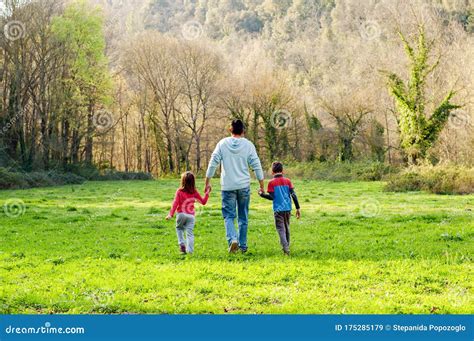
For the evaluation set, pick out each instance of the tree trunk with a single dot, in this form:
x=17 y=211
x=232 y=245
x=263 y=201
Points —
x=75 y=143
x=89 y=136
x=346 y=149
x=65 y=142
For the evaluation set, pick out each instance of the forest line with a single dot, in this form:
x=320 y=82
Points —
x=161 y=105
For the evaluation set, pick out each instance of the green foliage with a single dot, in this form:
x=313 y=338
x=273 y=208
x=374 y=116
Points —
x=438 y=179
x=91 y=173
x=116 y=175
x=411 y=255
x=12 y=180
x=418 y=131
x=314 y=123
x=376 y=140
x=86 y=171
x=77 y=175
x=81 y=29
x=340 y=171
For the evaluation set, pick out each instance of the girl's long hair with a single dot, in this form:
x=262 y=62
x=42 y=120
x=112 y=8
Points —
x=188 y=183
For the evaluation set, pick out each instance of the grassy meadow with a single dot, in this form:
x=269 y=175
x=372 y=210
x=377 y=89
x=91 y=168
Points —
x=105 y=247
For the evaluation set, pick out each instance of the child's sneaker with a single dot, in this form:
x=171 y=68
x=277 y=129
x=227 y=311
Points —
x=182 y=249
x=234 y=246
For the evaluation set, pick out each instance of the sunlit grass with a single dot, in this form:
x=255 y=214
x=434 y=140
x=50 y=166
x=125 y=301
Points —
x=106 y=248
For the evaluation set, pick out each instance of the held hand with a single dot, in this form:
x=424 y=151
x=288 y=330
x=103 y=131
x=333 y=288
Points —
x=262 y=186
x=168 y=217
x=298 y=214
x=207 y=187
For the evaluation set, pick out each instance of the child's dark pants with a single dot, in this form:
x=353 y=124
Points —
x=282 y=223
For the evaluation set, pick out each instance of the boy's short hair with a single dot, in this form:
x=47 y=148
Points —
x=277 y=167
x=238 y=127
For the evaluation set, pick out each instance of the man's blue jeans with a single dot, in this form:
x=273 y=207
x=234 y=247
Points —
x=232 y=201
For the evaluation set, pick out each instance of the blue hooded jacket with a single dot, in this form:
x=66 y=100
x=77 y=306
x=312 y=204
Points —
x=235 y=155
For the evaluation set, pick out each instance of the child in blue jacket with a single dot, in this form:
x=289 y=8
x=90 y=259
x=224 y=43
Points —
x=281 y=191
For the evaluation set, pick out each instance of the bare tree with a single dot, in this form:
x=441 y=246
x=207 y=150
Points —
x=198 y=70
x=151 y=58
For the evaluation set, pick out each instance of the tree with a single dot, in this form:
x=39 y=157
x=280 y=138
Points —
x=198 y=69
x=150 y=58
x=80 y=29
x=349 y=113
x=418 y=132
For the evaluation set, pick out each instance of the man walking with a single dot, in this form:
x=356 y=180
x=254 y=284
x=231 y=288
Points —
x=235 y=154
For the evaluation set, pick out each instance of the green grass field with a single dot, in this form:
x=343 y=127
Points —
x=106 y=248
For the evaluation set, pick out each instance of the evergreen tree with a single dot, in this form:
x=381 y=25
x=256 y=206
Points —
x=418 y=131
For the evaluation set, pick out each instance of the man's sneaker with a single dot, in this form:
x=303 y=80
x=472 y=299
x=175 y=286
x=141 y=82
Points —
x=234 y=246
x=243 y=250
x=182 y=249
x=286 y=252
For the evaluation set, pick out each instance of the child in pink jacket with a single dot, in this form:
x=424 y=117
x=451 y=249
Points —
x=183 y=203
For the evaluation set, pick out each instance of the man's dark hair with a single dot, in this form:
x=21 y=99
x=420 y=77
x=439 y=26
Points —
x=277 y=167
x=238 y=127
